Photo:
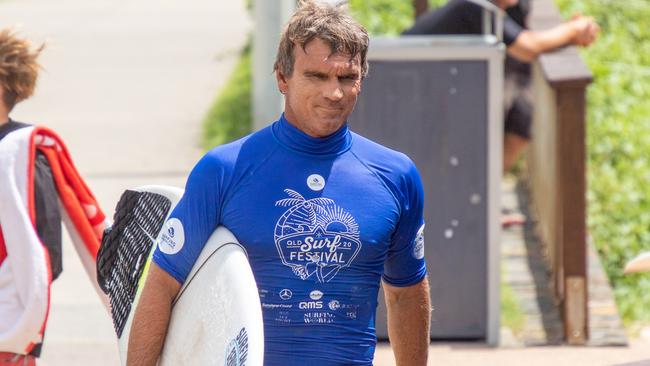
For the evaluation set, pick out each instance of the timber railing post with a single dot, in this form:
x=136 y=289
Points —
x=572 y=187
x=558 y=172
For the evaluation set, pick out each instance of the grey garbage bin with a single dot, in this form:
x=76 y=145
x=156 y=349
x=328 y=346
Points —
x=439 y=100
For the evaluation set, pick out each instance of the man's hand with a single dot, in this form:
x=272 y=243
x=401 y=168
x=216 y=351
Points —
x=579 y=31
x=409 y=316
x=152 y=317
x=585 y=30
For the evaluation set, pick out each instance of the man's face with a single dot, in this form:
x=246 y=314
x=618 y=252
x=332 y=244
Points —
x=322 y=91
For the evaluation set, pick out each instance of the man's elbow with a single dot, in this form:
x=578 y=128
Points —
x=396 y=295
x=525 y=48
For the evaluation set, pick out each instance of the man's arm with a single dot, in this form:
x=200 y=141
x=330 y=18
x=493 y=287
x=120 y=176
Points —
x=409 y=316
x=152 y=317
x=580 y=31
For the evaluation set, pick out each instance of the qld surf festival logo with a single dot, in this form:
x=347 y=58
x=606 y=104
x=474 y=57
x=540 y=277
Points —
x=315 y=237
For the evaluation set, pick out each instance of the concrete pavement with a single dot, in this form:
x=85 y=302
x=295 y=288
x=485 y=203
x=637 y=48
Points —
x=126 y=85
x=636 y=354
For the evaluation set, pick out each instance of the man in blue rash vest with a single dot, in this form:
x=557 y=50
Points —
x=323 y=213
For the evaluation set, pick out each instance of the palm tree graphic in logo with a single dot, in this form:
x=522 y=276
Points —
x=315 y=237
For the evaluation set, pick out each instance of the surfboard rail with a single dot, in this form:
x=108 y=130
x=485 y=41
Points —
x=218 y=302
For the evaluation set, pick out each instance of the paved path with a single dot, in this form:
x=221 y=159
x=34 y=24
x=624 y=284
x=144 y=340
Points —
x=637 y=354
x=126 y=84
x=524 y=270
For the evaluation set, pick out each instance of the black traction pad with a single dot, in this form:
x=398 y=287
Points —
x=125 y=248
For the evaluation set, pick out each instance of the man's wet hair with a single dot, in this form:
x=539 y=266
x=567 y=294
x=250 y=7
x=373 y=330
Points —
x=328 y=22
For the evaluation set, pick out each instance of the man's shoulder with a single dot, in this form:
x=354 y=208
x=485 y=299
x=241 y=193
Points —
x=455 y=17
x=460 y=7
x=463 y=9
x=463 y=4
x=255 y=143
x=377 y=156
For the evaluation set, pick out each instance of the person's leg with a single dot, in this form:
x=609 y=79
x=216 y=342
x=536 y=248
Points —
x=518 y=104
x=516 y=129
x=513 y=146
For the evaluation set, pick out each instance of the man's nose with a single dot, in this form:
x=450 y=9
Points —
x=334 y=92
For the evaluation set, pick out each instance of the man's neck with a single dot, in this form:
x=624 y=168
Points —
x=4 y=115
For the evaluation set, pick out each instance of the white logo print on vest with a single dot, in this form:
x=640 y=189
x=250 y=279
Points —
x=315 y=237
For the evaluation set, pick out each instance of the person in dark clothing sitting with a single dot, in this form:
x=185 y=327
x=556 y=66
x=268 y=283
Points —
x=523 y=47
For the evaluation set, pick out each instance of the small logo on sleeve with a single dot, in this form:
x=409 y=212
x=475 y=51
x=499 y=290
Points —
x=418 y=248
x=173 y=237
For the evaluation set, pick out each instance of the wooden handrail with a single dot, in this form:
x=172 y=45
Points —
x=562 y=68
x=557 y=171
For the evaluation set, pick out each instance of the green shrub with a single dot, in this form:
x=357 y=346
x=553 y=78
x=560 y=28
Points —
x=385 y=17
x=512 y=315
x=230 y=117
x=619 y=143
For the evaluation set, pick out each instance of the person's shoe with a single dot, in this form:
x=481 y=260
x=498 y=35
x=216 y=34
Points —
x=510 y=218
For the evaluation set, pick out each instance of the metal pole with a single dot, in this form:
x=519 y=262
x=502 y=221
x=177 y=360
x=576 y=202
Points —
x=270 y=17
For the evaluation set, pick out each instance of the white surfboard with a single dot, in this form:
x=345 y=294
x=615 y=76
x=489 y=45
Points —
x=216 y=318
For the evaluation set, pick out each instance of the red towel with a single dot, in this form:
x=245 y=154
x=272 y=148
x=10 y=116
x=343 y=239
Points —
x=25 y=257
x=79 y=202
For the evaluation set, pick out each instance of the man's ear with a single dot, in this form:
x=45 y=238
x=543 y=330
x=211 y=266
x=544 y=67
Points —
x=282 y=81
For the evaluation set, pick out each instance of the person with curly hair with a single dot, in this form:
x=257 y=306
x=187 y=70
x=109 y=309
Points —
x=19 y=70
x=39 y=186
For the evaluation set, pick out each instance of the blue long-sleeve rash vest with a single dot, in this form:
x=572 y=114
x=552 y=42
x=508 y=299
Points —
x=322 y=220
